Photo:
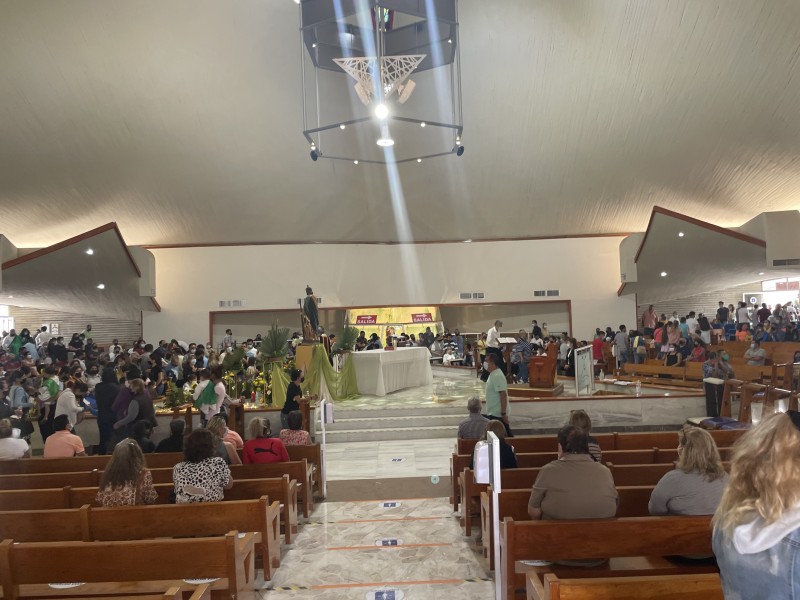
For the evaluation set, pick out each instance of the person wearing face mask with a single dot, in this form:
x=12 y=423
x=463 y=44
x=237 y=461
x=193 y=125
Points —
x=69 y=402
x=497 y=405
x=755 y=354
x=93 y=378
x=715 y=372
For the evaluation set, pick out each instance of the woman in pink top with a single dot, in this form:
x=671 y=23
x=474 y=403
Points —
x=294 y=435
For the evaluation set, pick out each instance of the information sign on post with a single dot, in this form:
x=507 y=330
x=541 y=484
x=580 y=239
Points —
x=497 y=488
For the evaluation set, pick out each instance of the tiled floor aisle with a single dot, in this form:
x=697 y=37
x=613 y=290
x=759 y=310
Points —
x=336 y=557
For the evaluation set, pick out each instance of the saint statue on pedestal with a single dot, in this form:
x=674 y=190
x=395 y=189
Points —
x=310 y=316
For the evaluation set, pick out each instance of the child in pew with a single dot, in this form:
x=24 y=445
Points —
x=126 y=480
x=756 y=535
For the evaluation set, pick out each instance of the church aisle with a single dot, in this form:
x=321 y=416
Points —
x=424 y=556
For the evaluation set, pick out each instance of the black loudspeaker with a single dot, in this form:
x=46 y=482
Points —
x=459 y=150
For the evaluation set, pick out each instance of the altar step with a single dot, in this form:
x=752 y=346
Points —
x=387 y=424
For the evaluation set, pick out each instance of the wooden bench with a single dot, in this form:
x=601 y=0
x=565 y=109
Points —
x=89 y=524
x=633 y=502
x=133 y=567
x=282 y=489
x=635 y=546
x=201 y=592
x=701 y=586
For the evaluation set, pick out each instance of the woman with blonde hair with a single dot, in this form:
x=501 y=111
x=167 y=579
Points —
x=757 y=525
x=261 y=448
x=696 y=485
x=126 y=479
x=580 y=419
x=225 y=450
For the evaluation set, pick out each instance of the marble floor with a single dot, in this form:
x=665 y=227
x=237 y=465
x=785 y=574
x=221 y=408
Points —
x=353 y=549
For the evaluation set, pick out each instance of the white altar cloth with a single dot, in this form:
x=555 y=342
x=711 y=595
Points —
x=380 y=372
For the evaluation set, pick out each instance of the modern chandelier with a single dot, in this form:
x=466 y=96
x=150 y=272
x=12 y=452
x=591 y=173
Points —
x=381 y=80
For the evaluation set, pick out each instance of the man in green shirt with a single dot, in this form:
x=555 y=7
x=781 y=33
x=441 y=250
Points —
x=497 y=405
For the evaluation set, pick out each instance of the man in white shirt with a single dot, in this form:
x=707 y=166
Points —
x=9 y=338
x=493 y=347
x=43 y=337
x=691 y=322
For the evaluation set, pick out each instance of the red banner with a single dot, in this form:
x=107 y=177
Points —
x=367 y=320
x=421 y=318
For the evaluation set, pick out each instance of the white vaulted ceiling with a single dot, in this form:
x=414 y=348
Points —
x=181 y=119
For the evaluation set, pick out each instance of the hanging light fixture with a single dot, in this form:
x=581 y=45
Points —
x=358 y=59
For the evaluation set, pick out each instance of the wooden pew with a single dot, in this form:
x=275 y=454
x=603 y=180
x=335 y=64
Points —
x=633 y=502
x=53 y=465
x=293 y=469
x=537 y=443
x=313 y=454
x=636 y=546
x=89 y=524
x=129 y=566
x=201 y=592
x=282 y=489
x=31 y=481
x=701 y=586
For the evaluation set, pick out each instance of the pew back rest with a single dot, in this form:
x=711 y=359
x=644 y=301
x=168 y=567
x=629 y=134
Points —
x=705 y=586
x=29 y=481
x=606 y=538
x=55 y=525
x=138 y=560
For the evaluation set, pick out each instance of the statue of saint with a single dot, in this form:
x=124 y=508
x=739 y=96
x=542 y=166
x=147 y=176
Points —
x=310 y=314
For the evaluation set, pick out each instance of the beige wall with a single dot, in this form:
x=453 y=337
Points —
x=191 y=281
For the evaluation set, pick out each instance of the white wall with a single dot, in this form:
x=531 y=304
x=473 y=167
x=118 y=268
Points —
x=191 y=281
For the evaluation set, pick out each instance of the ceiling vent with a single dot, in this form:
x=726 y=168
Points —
x=478 y=295
x=539 y=293
x=786 y=262
x=231 y=303
x=553 y=293
x=465 y=296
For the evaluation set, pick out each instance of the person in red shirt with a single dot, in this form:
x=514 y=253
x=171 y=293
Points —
x=261 y=448
x=597 y=347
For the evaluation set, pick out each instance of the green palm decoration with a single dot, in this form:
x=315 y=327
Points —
x=347 y=340
x=274 y=343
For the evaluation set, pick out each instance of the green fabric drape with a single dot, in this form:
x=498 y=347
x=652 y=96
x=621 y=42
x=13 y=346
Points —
x=280 y=383
x=342 y=386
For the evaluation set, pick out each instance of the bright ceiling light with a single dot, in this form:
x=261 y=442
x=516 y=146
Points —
x=342 y=126
x=355 y=162
x=467 y=241
x=422 y=124
x=89 y=251
x=385 y=142
x=101 y=286
x=761 y=272
x=10 y=297
x=681 y=234
x=381 y=111
x=297 y=1
x=419 y=160
x=663 y=273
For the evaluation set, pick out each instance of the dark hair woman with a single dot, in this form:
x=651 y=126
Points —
x=295 y=435
x=202 y=476
x=126 y=479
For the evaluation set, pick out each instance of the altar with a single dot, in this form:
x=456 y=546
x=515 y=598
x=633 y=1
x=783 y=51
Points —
x=380 y=372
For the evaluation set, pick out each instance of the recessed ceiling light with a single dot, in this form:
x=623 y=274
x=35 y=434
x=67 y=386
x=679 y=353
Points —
x=681 y=234
x=450 y=41
x=761 y=273
x=342 y=126
x=419 y=160
x=89 y=251
x=663 y=273
x=381 y=111
x=422 y=124
x=467 y=241
x=385 y=142
x=101 y=286
x=355 y=162
x=314 y=45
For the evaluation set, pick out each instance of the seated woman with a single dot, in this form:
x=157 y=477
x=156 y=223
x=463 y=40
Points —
x=574 y=486
x=12 y=448
x=202 y=476
x=699 y=352
x=581 y=420
x=225 y=450
x=756 y=535
x=695 y=486
x=295 y=435
x=743 y=333
x=126 y=479
x=508 y=459
x=261 y=448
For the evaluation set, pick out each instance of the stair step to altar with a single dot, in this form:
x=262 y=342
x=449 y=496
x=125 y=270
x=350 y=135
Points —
x=405 y=422
x=395 y=433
